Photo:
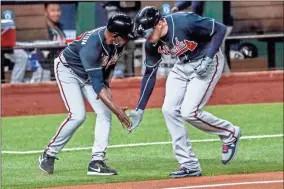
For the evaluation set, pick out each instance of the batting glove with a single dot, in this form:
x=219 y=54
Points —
x=135 y=117
x=201 y=68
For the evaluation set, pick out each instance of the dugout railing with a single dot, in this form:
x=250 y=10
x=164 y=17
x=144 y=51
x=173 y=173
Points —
x=51 y=52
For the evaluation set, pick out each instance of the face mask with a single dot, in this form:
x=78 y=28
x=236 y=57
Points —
x=148 y=32
x=155 y=35
x=117 y=44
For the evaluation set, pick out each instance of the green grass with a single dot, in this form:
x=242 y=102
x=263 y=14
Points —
x=138 y=163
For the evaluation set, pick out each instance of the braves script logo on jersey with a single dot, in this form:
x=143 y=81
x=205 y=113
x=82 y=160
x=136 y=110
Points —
x=105 y=62
x=179 y=48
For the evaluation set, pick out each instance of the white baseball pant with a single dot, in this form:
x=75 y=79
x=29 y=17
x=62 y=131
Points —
x=72 y=89
x=186 y=95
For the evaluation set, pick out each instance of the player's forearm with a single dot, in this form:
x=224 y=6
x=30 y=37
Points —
x=106 y=98
x=217 y=39
x=147 y=86
x=98 y=85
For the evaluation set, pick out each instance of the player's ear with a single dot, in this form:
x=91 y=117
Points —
x=160 y=23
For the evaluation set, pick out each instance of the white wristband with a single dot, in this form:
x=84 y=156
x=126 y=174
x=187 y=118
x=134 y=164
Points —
x=140 y=111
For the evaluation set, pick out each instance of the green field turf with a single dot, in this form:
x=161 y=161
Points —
x=138 y=163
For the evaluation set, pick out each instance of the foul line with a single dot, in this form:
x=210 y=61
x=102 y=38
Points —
x=228 y=184
x=141 y=144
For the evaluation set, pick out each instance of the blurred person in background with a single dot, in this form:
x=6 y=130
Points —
x=55 y=31
x=130 y=8
x=198 y=8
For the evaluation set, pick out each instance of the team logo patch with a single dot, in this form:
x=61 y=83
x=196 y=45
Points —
x=179 y=48
x=107 y=62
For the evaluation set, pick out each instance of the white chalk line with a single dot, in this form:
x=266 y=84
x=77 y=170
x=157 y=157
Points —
x=227 y=184
x=140 y=144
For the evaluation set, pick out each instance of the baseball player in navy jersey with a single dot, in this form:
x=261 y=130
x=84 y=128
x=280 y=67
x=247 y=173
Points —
x=195 y=41
x=84 y=68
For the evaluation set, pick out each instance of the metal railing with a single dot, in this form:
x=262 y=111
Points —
x=49 y=53
x=15 y=63
x=270 y=40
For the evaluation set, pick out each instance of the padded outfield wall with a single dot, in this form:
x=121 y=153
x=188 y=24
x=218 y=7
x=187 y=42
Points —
x=235 y=88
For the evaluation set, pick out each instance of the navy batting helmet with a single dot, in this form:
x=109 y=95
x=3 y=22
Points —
x=249 y=50
x=146 y=20
x=121 y=25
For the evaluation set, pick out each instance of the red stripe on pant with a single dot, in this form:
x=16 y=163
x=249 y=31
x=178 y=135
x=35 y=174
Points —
x=59 y=56
x=195 y=113
x=68 y=107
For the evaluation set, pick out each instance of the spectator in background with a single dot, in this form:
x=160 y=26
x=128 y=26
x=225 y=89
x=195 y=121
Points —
x=198 y=7
x=126 y=7
x=130 y=8
x=55 y=31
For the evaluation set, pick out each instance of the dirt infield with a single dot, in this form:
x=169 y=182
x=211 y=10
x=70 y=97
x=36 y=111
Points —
x=235 y=88
x=273 y=180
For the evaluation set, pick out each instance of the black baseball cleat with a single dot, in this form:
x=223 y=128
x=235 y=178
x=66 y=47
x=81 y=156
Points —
x=230 y=150
x=98 y=167
x=184 y=172
x=46 y=163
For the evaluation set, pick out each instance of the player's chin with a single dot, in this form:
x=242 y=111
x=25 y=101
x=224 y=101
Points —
x=55 y=19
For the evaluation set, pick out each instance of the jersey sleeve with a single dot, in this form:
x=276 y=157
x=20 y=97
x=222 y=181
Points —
x=152 y=55
x=200 y=26
x=153 y=59
x=207 y=28
x=90 y=55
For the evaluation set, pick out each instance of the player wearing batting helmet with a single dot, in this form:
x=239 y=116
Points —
x=195 y=41
x=84 y=68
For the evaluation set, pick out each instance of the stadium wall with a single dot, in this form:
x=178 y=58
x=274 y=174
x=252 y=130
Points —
x=235 y=88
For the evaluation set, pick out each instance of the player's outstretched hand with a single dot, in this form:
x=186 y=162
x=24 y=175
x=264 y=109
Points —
x=136 y=117
x=201 y=68
x=124 y=120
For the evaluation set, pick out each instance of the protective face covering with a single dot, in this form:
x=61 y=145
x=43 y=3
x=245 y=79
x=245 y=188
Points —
x=147 y=33
x=155 y=35
x=118 y=42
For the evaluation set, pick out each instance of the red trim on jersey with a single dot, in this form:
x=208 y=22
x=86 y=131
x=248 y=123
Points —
x=60 y=61
x=203 y=99
x=183 y=50
x=80 y=37
x=68 y=107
